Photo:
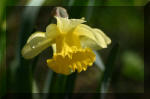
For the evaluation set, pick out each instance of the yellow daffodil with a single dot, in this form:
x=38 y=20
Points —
x=72 y=42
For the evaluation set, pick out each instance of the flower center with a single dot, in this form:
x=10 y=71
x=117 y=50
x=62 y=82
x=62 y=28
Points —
x=70 y=56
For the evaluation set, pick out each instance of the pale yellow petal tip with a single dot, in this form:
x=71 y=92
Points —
x=36 y=43
x=64 y=64
x=83 y=18
x=28 y=53
x=24 y=52
x=109 y=41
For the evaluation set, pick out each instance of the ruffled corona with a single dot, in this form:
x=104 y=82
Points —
x=76 y=59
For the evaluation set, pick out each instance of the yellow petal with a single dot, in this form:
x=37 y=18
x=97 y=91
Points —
x=54 y=47
x=36 y=36
x=36 y=43
x=65 y=25
x=89 y=43
x=92 y=38
x=106 y=38
x=52 y=31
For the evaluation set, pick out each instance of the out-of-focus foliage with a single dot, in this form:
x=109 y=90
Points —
x=97 y=2
x=2 y=59
x=133 y=66
x=2 y=47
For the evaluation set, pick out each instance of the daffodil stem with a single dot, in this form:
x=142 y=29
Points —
x=71 y=83
x=62 y=84
x=58 y=83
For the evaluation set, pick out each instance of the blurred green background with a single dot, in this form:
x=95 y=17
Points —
x=123 y=60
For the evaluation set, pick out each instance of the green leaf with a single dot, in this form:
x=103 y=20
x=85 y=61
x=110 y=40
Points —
x=3 y=47
x=105 y=80
x=48 y=81
x=2 y=62
x=20 y=72
x=99 y=62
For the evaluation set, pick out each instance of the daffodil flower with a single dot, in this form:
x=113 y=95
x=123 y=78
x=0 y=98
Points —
x=72 y=42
